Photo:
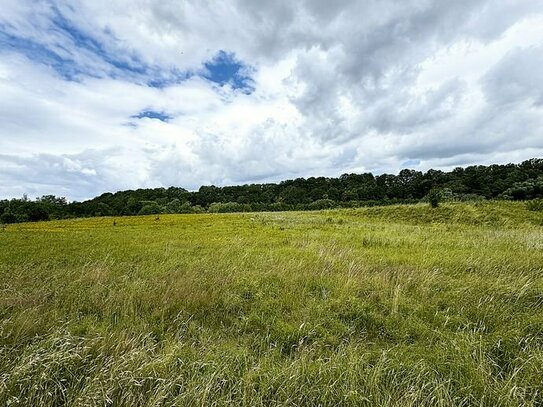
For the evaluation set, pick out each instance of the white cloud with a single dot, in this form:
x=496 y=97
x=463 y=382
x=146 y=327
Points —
x=339 y=86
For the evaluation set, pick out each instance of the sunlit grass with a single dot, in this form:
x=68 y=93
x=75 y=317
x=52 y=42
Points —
x=376 y=306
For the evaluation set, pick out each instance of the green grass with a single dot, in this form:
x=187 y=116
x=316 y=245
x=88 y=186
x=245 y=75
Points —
x=392 y=306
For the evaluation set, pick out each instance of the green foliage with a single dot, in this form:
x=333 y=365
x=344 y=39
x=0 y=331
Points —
x=8 y=217
x=23 y=210
x=535 y=205
x=103 y=209
x=196 y=209
x=219 y=207
x=293 y=194
x=434 y=197
x=529 y=189
x=512 y=181
x=400 y=305
x=322 y=204
x=150 y=208
x=173 y=206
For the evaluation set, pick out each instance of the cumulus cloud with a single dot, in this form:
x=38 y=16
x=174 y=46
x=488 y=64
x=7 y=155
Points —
x=106 y=95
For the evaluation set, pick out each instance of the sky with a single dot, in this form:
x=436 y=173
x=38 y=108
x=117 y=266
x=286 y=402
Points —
x=99 y=96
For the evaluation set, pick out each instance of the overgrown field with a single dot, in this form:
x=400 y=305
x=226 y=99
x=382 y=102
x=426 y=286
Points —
x=392 y=306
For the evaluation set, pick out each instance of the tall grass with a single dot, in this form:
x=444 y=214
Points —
x=392 y=306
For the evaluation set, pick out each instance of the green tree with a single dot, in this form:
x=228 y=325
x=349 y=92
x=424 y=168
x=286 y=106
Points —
x=8 y=216
x=293 y=195
x=174 y=206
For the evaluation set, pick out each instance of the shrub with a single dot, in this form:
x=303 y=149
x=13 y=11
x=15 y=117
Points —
x=223 y=207
x=197 y=209
x=185 y=208
x=434 y=197
x=535 y=205
x=150 y=208
x=322 y=204
x=279 y=206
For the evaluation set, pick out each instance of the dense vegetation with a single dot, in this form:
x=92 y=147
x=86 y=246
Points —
x=383 y=306
x=511 y=181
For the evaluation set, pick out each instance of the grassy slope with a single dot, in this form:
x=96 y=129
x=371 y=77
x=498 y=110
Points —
x=376 y=306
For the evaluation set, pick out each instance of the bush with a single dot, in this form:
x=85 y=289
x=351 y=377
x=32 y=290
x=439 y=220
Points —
x=197 y=209
x=185 y=208
x=279 y=206
x=150 y=208
x=434 y=197
x=322 y=204
x=220 y=207
x=535 y=205
x=469 y=198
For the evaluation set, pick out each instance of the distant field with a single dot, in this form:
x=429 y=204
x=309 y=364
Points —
x=391 y=306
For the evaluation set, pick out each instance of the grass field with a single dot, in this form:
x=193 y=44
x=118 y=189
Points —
x=391 y=306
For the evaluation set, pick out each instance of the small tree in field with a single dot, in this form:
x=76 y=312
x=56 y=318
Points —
x=434 y=197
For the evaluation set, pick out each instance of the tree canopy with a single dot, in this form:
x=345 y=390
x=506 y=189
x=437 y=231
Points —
x=509 y=181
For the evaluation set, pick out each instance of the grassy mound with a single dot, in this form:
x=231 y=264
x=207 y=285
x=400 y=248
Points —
x=506 y=214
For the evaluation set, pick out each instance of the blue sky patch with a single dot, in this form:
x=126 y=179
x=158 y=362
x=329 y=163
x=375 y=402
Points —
x=66 y=68
x=81 y=40
x=411 y=163
x=64 y=27
x=224 y=68
x=152 y=114
x=75 y=54
x=62 y=55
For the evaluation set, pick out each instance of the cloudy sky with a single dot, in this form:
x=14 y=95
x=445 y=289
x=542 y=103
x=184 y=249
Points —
x=100 y=95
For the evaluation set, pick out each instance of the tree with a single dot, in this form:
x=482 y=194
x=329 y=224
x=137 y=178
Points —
x=174 y=206
x=350 y=195
x=133 y=206
x=293 y=195
x=102 y=209
x=8 y=217
x=529 y=189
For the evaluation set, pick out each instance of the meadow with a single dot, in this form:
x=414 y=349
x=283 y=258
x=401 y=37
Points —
x=383 y=306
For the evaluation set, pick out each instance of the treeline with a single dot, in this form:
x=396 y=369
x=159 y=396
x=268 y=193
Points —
x=522 y=181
